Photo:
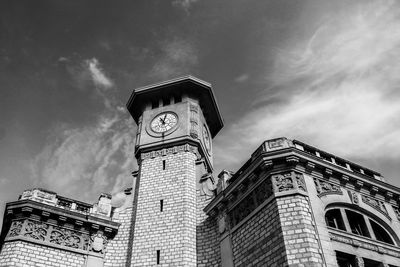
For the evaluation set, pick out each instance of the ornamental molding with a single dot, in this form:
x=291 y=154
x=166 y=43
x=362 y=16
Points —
x=288 y=181
x=376 y=204
x=326 y=188
x=56 y=236
x=194 y=121
x=367 y=244
x=169 y=151
x=353 y=197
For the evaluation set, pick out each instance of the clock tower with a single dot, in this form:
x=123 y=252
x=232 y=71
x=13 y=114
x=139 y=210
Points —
x=176 y=120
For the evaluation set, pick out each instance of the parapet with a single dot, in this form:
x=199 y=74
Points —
x=45 y=218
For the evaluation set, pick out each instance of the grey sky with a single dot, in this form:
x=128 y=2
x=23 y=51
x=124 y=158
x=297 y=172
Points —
x=323 y=72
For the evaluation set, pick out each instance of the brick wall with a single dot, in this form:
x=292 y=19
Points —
x=118 y=248
x=172 y=231
x=207 y=236
x=20 y=253
x=301 y=239
x=259 y=241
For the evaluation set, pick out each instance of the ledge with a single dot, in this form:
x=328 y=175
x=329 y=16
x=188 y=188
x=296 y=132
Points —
x=363 y=242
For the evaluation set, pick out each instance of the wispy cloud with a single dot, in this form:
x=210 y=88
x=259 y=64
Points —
x=98 y=76
x=242 y=78
x=82 y=161
x=177 y=57
x=185 y=4
x=338 y=90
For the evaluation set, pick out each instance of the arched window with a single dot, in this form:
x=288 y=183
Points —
x=357 y=223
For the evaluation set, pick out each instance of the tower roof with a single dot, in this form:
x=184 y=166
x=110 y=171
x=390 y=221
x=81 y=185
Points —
x=188 y=85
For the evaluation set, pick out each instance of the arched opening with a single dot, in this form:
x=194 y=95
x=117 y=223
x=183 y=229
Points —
x=357 y=222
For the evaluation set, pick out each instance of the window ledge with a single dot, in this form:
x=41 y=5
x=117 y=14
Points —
x=363 y=242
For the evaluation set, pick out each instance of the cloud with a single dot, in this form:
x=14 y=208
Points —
x=177 y=58
x=242 y=78
x=338 y=89
x=83 y=162
x=185 y=4
x=97 y=74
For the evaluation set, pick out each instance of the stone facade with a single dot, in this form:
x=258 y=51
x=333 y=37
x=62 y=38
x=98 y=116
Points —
x=21 y=254
x=259 y=241
x=165 y=227
x=290 y=204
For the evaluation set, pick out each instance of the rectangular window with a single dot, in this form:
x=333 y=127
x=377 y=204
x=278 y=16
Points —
x=371 y=263
x=345 y=260
x=161 y=205
x=166 y=101
x=158 y=256
x=154 y=104
x=163 y=164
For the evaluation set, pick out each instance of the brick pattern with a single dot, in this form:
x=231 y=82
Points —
x=207 y=236
x=301 y=240
x=22 y=254
x=259 y=241
x=172 y=231
x=118 y=248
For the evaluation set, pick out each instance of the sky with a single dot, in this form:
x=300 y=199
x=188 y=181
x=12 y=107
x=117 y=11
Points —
x=320 y=71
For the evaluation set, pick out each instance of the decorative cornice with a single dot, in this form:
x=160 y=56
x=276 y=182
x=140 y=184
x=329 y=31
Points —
x=43 y=233
x=169 y=151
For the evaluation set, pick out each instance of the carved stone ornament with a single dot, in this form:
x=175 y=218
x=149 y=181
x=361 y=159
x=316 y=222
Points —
x=288 y=181
x=68 y=238
x=99 y=243
x=300 y=181
x=194 y=124
x=353 y=197
x=50 y=234
x=36 y=230
x=326 y=188
x=283 y=182
x=15 y=228
x=376 y=204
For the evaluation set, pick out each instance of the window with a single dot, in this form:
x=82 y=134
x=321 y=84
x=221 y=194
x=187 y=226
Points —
x=154 y=104
x=345 y=260
x=371 y=263
x=356 y=223
x=381 y=233
x=166 y=101
x=334 y=219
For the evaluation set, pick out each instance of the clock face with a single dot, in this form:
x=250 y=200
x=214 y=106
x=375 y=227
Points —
x=206 y=139
x=164 y=122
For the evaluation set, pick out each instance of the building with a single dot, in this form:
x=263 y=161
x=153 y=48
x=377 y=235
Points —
x=290 y=204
